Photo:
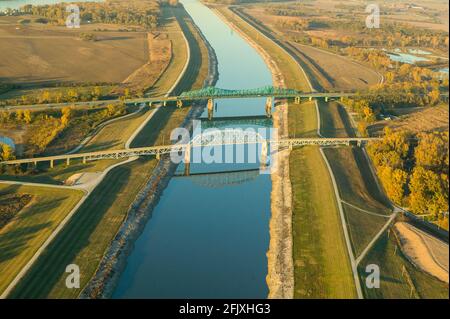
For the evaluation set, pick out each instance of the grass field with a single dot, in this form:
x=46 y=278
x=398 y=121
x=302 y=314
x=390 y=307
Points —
x=356 y=184
x=85 y=239
x=23 y=235
x=302 y=119
x=116 y=134
x=321 y=264
x=397 y=283
x=358 y=187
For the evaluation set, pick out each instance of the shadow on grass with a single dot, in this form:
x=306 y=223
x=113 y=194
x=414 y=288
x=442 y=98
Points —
x=76 y=235
x=13 y=242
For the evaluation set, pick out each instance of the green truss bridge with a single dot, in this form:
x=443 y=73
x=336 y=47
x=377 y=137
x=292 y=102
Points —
x=213 y=92
x=209 y=93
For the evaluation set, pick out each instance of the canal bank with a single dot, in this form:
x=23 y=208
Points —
x=314 y=230
x=104 y=281
x=280 y=274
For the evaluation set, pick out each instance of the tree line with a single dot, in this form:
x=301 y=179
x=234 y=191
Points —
x=414 y=170
x=145 y=13
x=43 y=128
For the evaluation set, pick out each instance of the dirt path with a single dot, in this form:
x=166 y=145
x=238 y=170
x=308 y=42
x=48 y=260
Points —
x=426 y=252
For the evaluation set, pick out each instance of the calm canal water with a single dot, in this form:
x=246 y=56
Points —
x=209 y=234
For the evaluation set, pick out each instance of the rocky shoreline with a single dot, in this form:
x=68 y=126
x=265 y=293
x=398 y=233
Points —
x=113 y=263
x=280 y=276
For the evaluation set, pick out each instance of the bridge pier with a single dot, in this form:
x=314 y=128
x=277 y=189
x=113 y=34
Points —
x=269 y=107
x=68 y=161
x=179 y=103
x=210 y=107
x=84 y=160
x=187 y=160
x=158 y=156
x=164 y=103
x=51 y=163
x=310 y=98
x=297 y=100
x=326 y=98
x=264 y=154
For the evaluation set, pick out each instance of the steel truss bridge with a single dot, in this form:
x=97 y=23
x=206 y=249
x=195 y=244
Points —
x=208 y=93
x=208 y=139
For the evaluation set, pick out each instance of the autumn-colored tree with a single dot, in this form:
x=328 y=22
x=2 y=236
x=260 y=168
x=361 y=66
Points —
x=6 y=152
x=45 y=97
x=97 y=92
x=394 y=182
x=66 y=114
x=427 y=194
x=72 y=95
x=432 y=151
x=362 y=128
x=19 y=115
x=126 y=93
x=27 y=116
x=434 y=96
x=391 y=150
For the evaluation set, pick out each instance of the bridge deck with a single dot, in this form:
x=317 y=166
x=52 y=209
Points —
x=39 y=107
x=165 y=149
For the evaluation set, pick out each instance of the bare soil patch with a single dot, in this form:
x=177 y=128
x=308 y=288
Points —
x=424 y=251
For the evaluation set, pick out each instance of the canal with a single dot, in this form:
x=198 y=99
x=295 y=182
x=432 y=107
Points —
x=209 y=234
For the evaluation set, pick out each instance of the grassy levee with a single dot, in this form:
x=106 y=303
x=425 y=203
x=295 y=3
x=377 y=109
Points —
x=293 y=76
x=321 y=263
x=157 y=132
x=28 y=230
x=302 y=120
x=399 y=278
x=171 y=18
x=357 y=187
x=334 y=121
x=86 y=237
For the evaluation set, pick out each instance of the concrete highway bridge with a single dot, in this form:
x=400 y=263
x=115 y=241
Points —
x=209 y=139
